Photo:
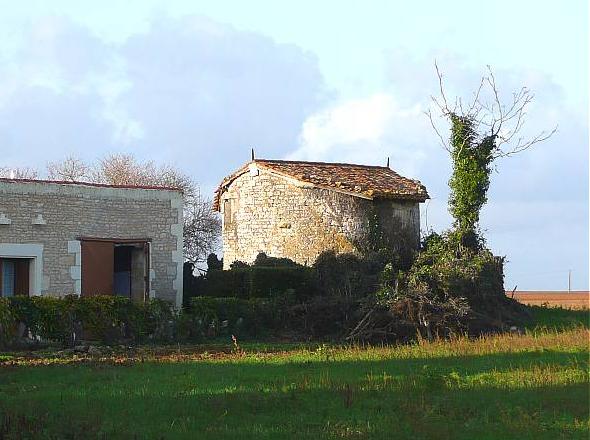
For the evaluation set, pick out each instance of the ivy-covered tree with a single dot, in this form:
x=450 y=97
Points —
x=480 y=132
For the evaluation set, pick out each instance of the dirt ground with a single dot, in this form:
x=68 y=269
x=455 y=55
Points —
x=578 y=299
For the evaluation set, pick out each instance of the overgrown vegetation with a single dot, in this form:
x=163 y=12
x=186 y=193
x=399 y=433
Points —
x=267 y=277
x=455 y=283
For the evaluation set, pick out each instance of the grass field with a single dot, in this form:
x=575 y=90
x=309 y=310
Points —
x=530 y=386
x=570 y=300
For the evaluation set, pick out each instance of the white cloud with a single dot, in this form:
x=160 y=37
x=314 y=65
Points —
x=366 y=130
x=188 y=91
x=351 y=121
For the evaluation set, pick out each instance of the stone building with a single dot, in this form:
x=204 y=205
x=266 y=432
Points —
x=297 y=210
x=61 y=238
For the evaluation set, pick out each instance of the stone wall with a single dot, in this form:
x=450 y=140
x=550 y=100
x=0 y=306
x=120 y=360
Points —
x=264 y=212
x=65 y=212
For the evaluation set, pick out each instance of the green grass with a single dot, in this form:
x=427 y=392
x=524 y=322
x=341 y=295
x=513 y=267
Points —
x=532 y=386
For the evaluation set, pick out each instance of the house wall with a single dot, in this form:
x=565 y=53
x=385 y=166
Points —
x=50 y=218
x=284 y=218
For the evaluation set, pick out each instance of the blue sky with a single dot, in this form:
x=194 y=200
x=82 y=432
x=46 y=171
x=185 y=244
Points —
x=196 y=84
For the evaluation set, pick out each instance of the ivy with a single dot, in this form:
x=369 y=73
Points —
x=470 y=179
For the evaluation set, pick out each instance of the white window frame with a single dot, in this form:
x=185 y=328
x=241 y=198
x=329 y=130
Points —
x=35 y=253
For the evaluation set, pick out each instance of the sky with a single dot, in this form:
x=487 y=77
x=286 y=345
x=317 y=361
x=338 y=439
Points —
x=197 y=84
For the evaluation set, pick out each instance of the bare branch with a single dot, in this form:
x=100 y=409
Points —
x=525 y=145
x=441 y=90
x=19 y=173
x=202 y=228
x=503 y=121
x=443 y=143
x=70 y=169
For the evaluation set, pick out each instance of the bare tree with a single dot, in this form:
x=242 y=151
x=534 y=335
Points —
x=202 y=226
x=489 y=116
x=18 y=173
x=70 y=169
x=121 y=169
x=124 y=169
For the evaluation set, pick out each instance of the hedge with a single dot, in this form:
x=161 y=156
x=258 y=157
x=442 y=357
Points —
x=237 y=316
x=71 y=318
x=112 y=319
x=259 y=282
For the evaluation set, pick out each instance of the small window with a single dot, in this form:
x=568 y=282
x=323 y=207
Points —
x=8 y=278
x=227 y=212
x=14 y=276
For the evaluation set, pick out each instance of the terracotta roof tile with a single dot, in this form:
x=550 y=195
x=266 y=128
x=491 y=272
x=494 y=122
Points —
x=372 y=182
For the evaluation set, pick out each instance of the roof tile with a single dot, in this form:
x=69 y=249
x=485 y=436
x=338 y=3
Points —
x=373 y=182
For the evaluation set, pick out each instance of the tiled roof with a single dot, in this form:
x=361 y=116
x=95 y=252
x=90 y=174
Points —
x=371 y=182
x=98 y=185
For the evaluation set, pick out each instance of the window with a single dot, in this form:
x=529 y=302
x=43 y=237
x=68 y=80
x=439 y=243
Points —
x=8 y=273
x=14 y=276
x=227 y=212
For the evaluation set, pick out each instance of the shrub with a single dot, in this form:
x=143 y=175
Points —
x=71 y=318
x=234 y=315
x=347 y=274
x=213 y=262
x=264 y=260
x=225 y=283
x=323 y=316
x=449 y=288
x=7 y=323
x=259 y=282
x=274 y=281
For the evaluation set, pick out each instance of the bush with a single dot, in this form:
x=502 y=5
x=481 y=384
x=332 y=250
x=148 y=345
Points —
x=71 y=318
x=323 y=317
x=347 y=274
x=253 y=317
x=450 y=288
x=274 y=281
x=264 y=260
x=259 y=282
x=112 y=319
x=7 y=323
x=225 y=283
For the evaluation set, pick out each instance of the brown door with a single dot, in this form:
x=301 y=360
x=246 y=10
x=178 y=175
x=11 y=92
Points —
x=21 y=280
x=146 y=255
x=97 y=267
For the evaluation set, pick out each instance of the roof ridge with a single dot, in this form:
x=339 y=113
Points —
x=91 y=184
x=319 y=163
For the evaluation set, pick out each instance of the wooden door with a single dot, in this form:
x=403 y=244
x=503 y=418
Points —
x=21 y=280
x=146 y=273
x=98 y=259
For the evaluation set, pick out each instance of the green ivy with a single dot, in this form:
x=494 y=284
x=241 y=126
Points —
x=470 y=180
